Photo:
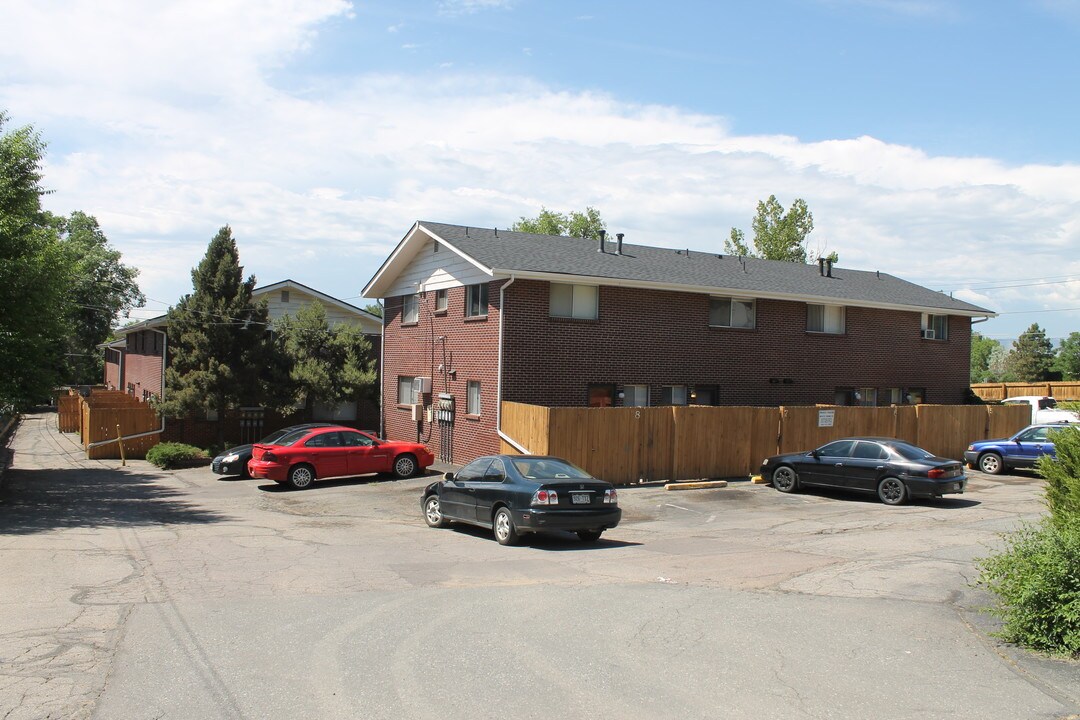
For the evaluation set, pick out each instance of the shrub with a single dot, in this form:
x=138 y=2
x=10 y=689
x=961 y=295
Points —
x=1037 y=577
x=1037 y=582
x=170 y=455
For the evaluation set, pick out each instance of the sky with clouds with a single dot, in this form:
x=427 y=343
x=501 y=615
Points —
x=932 y=139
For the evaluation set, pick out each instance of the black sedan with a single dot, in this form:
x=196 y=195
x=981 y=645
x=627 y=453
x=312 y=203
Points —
x=894 y=469
x=234 y=460
x=516 y=494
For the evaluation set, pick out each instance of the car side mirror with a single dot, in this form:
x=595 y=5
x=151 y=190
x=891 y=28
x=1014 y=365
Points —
x=448 y=477
x=815 y=453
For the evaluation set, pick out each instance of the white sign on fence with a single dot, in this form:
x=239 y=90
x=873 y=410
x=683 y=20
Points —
x=826 y=418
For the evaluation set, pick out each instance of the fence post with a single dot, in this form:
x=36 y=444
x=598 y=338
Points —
x=120 y=442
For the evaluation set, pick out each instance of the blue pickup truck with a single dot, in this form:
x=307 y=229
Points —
x=1021 y=450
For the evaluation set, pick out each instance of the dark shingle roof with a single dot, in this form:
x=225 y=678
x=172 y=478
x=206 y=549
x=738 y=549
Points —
x=508 y=251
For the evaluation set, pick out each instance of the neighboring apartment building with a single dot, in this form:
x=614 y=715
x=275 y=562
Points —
x=133 y=363
x=480 y=315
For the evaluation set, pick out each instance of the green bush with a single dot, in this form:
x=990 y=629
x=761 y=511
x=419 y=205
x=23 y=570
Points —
x=1037 y=582
x=1037 y=577
x=1063 y=475
x=170 y=455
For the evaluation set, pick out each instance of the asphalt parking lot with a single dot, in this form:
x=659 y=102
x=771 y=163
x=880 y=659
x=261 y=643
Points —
x=134 y=593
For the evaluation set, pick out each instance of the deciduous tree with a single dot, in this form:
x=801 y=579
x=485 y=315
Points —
x=778 y=235
x=34 y=276
x=586 y=224
x=102 y=288
x=981 y=350
x=1067 y=360
x=329 y=365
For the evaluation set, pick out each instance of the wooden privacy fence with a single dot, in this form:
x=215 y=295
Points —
x=624 y=445
x=105 y=414
x=1000 y=391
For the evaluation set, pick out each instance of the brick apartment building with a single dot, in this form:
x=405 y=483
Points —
x=133 y=364
x=476 y=315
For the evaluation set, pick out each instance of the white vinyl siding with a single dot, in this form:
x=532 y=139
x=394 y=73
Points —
x=731 y=312
x=825 y=319
x=431 y=270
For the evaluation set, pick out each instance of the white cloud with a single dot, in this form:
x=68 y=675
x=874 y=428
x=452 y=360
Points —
x=170 y=143
x=468 y=7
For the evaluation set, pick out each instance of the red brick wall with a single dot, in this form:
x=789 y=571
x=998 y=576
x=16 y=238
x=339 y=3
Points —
x=469 y=346
x=142 y=363
x=653 y=338
x=659 y=338
x=112 y=369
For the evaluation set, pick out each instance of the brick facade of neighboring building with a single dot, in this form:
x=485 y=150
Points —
x=652 y=338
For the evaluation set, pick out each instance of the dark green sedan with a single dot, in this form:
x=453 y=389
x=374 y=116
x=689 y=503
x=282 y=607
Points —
x=517 y=494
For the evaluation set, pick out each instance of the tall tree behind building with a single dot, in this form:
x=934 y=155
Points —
x=1032 y=356
x=586 y=224
x=102 y=288
x=778 y=235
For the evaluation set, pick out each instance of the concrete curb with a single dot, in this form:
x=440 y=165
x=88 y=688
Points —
x=699 y=485
x=6 y=454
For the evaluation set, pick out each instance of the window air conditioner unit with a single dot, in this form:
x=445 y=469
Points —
x=418 y=412
x=421 y=385
x=928 y=334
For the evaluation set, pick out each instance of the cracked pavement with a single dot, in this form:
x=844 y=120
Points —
x=136 y=593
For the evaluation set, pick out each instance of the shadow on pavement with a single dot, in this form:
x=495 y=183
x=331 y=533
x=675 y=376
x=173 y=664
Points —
x=554 y=540
x=948 y=502
x=34 y=501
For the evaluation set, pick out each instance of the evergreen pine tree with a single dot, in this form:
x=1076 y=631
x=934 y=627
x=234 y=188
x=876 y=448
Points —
x=1032 y=356
x=220 y=348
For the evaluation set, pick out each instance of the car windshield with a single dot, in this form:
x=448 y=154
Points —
x=549 y=468
x=910 y=452
x=1047 y=403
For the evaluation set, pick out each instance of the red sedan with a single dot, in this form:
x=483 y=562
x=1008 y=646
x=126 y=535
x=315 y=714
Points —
x=304 y=455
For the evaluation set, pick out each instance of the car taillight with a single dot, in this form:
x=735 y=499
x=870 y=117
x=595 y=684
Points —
x=545 y=497
x=611 y=497
x=935 y=473
x=269 y=457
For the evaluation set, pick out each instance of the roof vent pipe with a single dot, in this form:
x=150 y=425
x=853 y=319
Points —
x=828 y=272
x=600 y=248
x=821 y=266
x=619 y=237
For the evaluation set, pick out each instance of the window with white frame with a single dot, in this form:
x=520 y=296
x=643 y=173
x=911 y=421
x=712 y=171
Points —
x=440 y=301
x=574 y=301
x=476 y=300
x=406 y=395
x=935 y=327
x=410 y=309
x=825 y=319
x=731 y=312
x=635 y=395
x=673 y=395
x=472 y=405
x=866 y=396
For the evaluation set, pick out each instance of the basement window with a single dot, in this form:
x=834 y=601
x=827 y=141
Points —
x=673 y=395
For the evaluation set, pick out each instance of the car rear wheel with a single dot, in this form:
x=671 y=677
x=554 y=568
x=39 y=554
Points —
x=433 y=512
x=301 y=476
x=589 y=535
x=991 y=464
x=505 y=532
x=785 y=479
x=404 y=466
x=892 y=491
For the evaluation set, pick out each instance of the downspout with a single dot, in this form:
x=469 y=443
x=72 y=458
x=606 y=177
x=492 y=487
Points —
x=382 y=371
x=498 y=389
x=164 y=357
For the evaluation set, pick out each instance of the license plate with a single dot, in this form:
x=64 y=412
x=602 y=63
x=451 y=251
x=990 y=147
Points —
x=579 y=499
